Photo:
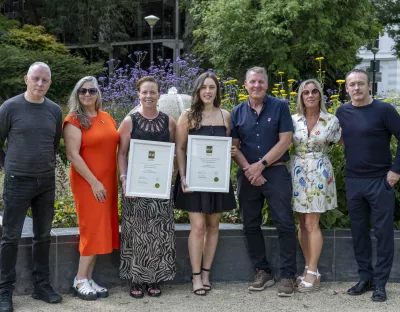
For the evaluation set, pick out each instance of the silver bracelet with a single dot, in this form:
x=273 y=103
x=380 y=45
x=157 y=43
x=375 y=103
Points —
x=183 y=177
x=122 y=176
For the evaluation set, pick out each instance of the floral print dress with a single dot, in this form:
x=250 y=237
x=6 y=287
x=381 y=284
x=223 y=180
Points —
x=314 y=188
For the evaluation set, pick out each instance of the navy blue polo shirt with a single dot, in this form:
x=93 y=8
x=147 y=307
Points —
x=259 y=133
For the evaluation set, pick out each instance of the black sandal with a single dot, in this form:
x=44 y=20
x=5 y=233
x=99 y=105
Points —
x=198 y=290
x=206 y=287
x=153 y=286
x=137 y=288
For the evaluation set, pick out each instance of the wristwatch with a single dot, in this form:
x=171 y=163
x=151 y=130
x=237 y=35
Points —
x=265 y=163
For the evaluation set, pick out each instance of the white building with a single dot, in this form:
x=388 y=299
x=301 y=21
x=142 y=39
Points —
x=389 y=65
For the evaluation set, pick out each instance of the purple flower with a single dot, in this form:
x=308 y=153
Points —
x=119 y=89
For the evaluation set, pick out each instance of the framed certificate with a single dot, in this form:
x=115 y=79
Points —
x=150 y=167
x=208 y=165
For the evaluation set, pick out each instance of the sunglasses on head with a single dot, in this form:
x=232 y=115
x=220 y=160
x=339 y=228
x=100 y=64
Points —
x=83 y=91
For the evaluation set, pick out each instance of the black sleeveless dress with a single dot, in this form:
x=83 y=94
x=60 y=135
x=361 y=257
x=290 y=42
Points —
x=147 y=226
x=204 y=202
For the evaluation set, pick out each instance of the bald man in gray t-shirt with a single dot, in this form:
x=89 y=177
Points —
x=30 y=124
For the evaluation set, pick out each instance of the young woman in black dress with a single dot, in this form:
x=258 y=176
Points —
x=204 y=117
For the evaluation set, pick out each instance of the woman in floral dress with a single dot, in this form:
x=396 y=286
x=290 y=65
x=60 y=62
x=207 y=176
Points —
x=314 y=190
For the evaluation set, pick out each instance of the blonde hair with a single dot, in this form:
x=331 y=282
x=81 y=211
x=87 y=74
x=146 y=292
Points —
x=300 y=107
x=75 y=107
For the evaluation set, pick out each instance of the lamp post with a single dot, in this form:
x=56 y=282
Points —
x=374 y=50
x=177 y=51
x=151 y=20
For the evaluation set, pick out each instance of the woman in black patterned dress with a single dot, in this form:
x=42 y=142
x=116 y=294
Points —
x=203 y=118
x=147 y=227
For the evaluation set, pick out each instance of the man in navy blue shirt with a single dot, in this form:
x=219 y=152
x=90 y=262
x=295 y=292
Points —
x=367 y=128
x=262 y=132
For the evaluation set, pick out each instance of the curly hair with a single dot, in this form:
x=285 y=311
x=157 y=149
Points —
x=197 y=106
x=75 y=107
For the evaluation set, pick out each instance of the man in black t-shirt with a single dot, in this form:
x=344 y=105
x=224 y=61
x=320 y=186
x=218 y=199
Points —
x=367 y=128
x=31 y=125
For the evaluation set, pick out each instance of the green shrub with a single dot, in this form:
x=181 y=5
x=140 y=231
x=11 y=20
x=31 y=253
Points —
x=66 y=70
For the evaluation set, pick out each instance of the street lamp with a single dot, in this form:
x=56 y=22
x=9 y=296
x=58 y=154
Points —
x=151 y=20
x=374 y=50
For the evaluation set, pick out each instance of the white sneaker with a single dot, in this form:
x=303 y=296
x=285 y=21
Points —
x=84 y=291
x=102 y=292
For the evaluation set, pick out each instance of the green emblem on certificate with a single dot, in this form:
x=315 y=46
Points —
x=157 y=185
x=216 y=179
x=209 y=150
x=152 y=154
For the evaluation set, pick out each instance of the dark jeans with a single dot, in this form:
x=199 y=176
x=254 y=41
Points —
x=366 y=198
x=278 y=193
x=19 y=194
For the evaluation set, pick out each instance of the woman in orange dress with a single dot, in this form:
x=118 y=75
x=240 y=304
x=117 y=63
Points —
x=91 y=141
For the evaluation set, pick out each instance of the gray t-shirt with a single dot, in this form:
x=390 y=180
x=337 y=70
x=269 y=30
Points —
x=33 y=133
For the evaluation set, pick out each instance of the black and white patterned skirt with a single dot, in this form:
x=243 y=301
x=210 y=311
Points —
x=147 y=240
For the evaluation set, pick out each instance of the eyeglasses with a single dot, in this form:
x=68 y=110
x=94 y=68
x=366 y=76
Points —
x=84 y=91
x=313 y=92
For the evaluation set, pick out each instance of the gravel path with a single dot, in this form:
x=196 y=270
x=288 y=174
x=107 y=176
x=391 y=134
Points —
x=223 y=297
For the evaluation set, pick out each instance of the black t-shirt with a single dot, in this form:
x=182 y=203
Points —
x=367 y=131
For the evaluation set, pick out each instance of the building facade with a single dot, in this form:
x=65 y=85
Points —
x=388 y=75
x=133 y=33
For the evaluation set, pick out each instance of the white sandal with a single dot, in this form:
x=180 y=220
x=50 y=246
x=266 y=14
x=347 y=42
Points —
x=300 y=278
x=306 y=286
x=102 y=292
x=84 y=291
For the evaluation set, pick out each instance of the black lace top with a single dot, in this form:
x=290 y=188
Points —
x=156 y=129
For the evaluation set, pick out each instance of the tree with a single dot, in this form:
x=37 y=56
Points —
x=20 y=47
x=80 y=22
x=66 y=71
x=282 y=35
x=389 y=16
x=5 y=23
x=34 y=38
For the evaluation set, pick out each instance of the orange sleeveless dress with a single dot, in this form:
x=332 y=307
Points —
x=98 y=222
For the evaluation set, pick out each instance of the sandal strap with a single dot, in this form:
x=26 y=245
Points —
x=155 y=286
x=207 y=270
x=313 y=273
x=317 y=274
x=96 y=287
x=80 y=281
x=306 y=284
x=198 y=290
x=137 y=287
x=207 y=287
x=196 y=273
x=85 y=287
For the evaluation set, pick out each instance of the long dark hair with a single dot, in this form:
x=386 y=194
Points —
x=197 y=106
